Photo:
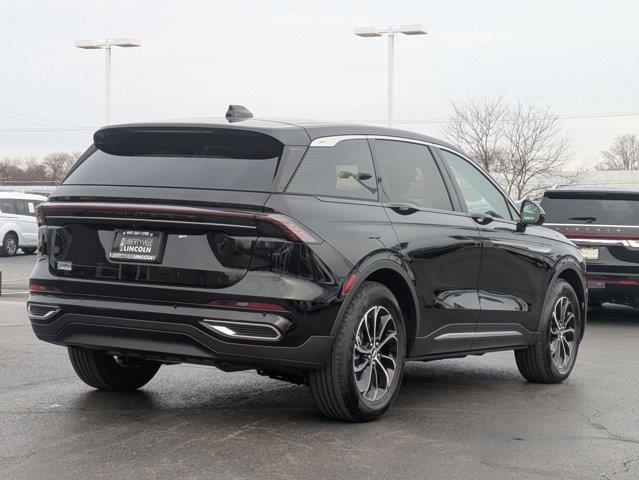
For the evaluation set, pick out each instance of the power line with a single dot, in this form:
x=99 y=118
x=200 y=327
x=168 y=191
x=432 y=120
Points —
x=32 y=117
x=19 y=130
x=565 y=117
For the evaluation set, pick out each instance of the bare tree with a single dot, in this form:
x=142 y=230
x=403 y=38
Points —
x=623 y=154
x=534 y=146
x=476 y=127
x=523 y=146
x=28 y=168
x=10 y=170
x=59 y=163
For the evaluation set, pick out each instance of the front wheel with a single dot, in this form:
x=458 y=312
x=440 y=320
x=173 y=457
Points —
x=552 y=357
x=364 y=372
x=106 y=372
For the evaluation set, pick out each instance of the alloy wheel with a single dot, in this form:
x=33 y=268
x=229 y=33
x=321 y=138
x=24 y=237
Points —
x=10 y=246
x=562 y=333
x=375 y=353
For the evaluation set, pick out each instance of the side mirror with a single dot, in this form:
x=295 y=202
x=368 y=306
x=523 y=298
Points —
x=531 y=213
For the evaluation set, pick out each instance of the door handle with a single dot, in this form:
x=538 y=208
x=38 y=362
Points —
x=402 y=208
x=482 y=219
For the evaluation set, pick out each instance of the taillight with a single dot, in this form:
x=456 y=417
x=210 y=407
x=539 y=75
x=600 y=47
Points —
x=293 y=230
x=40 y=218
x=250 y=305
x=35 y=287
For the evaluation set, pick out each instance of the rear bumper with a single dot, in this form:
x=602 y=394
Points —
x=614 y=288
x=170 y=333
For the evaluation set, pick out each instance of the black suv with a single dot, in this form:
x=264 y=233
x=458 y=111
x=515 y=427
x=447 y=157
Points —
x=316 y=253
x=605 y=224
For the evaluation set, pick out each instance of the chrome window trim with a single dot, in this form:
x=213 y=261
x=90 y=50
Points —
x=331 y=141
x=334 y=140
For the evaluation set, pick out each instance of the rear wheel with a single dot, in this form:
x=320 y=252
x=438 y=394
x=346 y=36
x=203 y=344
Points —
x=553 y=356
x=106 y=372
x=9 y=245
x=364 y=372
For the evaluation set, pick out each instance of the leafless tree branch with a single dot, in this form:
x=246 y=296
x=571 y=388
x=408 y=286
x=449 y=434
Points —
x=523 y=145
x=623 y=154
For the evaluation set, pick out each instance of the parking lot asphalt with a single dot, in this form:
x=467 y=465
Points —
x=454 y=419
x=15 y=274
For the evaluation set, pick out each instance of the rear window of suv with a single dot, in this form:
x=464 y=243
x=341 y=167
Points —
x=219 y=159
x=591 y=208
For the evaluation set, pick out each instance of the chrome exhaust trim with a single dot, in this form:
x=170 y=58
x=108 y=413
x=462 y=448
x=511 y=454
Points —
x=243 y=330
x=40 y=311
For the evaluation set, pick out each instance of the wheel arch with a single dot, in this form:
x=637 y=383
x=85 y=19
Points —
x=569 y=269
x=390 y=273
x=11 y=230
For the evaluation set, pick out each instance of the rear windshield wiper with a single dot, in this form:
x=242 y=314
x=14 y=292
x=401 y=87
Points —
x=585 y=219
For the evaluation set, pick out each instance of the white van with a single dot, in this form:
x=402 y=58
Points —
x=18 y=226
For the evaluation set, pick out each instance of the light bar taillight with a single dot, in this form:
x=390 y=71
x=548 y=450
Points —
x=250 y=305
x=35 y=287
x=40 y=218
x=293 y=230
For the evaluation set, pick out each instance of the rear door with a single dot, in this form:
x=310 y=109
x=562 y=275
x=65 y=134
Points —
x=441 y=245
x=27 y=221
x=513 y=268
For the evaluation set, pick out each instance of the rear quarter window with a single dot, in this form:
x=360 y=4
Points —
x=344 y=170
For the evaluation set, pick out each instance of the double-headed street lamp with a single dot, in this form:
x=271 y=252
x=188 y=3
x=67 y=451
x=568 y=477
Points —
x=106 y=45
x=410 y=29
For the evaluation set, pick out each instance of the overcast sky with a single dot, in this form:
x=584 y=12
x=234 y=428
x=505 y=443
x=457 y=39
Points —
x=301 y=59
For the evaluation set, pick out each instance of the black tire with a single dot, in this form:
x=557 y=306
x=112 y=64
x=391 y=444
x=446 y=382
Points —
x=9 y=245
x=334 y=387
x=105 y=372
x=536 y=363
x=28 y=250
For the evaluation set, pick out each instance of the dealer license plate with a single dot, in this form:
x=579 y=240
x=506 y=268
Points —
x=136 y=246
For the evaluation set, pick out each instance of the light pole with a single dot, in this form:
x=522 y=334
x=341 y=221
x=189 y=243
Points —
x=106 y=45
x=409 y=29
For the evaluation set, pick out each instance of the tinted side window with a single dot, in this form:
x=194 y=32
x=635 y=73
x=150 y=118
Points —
x=480 y=195
x=410 y=175
x=7 y=206
x=21 y=207
x=345 y=170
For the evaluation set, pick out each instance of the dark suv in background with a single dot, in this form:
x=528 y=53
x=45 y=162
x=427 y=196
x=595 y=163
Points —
x=604 y=223
x=316 y=253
